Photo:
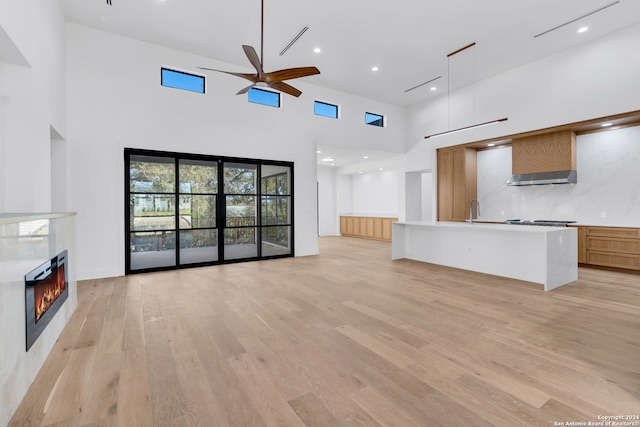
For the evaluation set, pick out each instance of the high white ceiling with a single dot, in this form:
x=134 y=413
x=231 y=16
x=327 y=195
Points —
x=407 y=39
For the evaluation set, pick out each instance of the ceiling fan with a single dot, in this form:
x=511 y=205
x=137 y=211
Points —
x=275 y=79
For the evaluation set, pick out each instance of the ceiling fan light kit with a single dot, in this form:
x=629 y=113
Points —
x=275 y=79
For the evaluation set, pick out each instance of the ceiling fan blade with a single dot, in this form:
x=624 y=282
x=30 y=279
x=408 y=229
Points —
x=283 y=87
x=251 y=77
x=245 y=90
x=253 y=58
x=275 y=79
x=290 y=73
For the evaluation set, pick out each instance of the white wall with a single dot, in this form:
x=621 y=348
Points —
x=372 y=193
x=2 y=128
x=37 y=29
x=344 y=190
x=59 y=174
x=375 y=193
x=595 y=79
x=32 y=102
x=418 y=192
x=328 y=219
x=427 y=196
x=608 y=182
x=364 y=189
x=116 y=101
x=33 y=99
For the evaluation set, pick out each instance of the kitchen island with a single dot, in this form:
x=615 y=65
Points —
x=544 y=255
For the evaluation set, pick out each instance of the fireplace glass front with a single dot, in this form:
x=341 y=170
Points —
x=46 y=289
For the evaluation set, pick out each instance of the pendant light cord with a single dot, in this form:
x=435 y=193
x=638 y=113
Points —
x=448 y=93
x=473 y=105
x=473 y=113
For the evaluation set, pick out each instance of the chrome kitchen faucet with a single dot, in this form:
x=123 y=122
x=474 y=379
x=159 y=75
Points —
x=471 y=209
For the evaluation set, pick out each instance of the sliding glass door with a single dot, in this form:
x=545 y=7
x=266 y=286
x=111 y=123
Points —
x=240 y=192
x=198 y=196
x=188 y=210
x=152 y=212
x=276 y=210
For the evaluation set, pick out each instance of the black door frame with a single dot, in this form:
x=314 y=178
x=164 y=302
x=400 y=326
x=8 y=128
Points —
x=220 y=206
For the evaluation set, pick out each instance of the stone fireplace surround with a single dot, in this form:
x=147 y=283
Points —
x=27 y=241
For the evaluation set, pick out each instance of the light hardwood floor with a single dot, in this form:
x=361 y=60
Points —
x=346 y=338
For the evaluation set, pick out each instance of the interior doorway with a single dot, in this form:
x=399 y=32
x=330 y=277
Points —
x=419 y=195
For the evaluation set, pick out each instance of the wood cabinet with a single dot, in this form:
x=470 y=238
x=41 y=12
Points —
x=548 y=152
x=613 y=247
x=457 y=182
x=617 y=247
x=367 y=227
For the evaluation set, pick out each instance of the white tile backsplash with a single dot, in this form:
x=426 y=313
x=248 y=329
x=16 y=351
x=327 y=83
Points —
x=608 y=165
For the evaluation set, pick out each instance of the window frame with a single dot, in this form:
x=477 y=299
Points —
x=337 y=107
x=256 y=89
x=186 y=73
x=382 y=119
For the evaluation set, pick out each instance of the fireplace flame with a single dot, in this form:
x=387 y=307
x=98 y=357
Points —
x=48 y=297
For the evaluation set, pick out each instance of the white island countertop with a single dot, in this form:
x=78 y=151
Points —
x=545 y=255
x=486 y=226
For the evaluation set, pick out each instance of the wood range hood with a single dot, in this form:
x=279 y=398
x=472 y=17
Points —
x=548 y=158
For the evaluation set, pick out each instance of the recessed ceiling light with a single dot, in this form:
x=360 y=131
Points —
x=381 y=169
x=434 y=88
x=374 y=68
x=317 y=50
x=605 y=125
x=491 y=145
x=583 y=29
x=333 y=164
x=365 y=157
x=359 y=171
x=328 y=159
x=319 y=152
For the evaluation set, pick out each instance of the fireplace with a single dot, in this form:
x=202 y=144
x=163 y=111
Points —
x=46 y=289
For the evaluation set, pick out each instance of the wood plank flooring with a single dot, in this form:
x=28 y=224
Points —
x=346 y=338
